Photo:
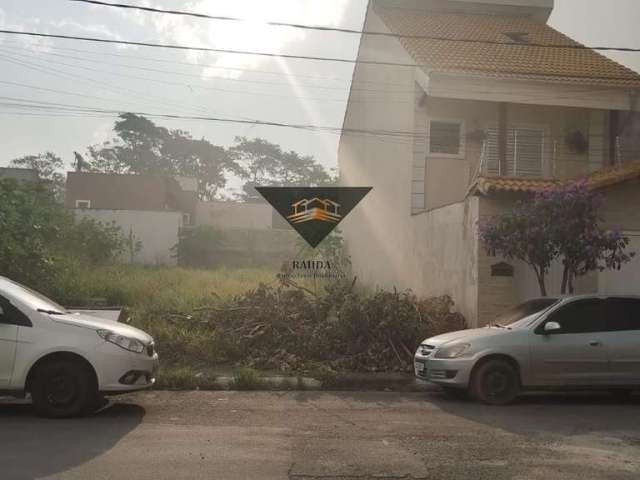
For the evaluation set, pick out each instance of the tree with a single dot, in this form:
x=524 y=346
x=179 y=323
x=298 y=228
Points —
x=39 y=237
x=560 y=222
x=50 y=169
x=522 y=234
x=142 y=147
x=265 y=163
x=583 y=244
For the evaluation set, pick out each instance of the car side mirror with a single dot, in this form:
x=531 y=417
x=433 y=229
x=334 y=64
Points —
x=552 y=327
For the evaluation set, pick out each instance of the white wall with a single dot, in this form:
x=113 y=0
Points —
x=158 y=231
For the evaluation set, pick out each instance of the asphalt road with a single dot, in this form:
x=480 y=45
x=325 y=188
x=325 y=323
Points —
x=309 y=435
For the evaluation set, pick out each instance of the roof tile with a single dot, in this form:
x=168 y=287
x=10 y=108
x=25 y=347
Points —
x=603 y=178
x=584 y=66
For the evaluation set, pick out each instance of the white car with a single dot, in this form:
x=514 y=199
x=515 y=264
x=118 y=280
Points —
x=66 y=360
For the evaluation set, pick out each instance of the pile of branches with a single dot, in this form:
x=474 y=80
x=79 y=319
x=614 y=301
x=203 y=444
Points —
x=290 y=329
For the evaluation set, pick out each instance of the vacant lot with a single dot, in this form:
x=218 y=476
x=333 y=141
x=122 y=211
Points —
x=312 y=435
x=202 y=320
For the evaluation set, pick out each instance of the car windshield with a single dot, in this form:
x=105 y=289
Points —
x=30 y=298
x=523 y=313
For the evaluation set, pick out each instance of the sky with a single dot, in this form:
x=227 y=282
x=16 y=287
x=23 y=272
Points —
x=211 y=84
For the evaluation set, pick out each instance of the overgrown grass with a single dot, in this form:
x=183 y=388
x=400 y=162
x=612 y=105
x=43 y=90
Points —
x=164 y=289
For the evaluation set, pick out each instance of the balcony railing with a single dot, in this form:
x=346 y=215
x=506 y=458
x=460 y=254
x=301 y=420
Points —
x=531 y=153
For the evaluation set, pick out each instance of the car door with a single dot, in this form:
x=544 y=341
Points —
x=622 y=339
x=576 y=354
x=8 y=342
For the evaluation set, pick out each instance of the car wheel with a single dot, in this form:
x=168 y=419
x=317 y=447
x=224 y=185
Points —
x=495 y=382
x=63 y=388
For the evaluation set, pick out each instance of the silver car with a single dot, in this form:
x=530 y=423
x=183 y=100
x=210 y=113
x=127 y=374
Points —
x=575 y=342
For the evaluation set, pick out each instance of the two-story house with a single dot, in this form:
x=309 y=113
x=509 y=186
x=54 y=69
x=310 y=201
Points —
x=459 y=109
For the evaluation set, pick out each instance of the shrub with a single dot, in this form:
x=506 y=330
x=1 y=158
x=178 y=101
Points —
x=340 y=330
x=39 y=239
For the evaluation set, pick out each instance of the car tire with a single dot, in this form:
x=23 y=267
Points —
x=63 y=389
x=495 y=382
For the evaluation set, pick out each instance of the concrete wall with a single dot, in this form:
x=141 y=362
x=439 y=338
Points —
x=158 y=231
x=225 y=215
x=250 y=247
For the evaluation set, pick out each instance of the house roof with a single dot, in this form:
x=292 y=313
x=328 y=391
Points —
x=600 y=179
x=500 y=60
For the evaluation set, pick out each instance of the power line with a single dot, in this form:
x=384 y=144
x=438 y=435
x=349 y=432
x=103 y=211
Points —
x=343 y=89
x=195 y=64
x=201 y=65
x=28 y=103
x=138 y=97
x=152 y=59
x=575 y=46
x=278 y=55
x=72 y=108
x=194 y=48
x=192 y=86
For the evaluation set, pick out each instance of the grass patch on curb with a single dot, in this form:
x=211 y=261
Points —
x=185 y=378
x=246 y=378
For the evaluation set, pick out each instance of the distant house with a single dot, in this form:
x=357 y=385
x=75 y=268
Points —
x=150 y=209
x=22 y=174
x=485 y=104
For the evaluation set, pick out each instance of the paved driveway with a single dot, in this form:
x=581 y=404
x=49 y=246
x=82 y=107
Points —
x=309 y=435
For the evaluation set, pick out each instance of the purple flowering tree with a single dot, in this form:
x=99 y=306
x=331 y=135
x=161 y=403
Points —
x=561 y=222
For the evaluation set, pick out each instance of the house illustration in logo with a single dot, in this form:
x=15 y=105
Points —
x=315 y=209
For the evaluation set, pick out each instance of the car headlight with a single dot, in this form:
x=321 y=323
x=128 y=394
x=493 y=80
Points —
x=131 y=344
x=453 y=351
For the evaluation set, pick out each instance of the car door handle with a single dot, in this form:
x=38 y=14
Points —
x=595 y=343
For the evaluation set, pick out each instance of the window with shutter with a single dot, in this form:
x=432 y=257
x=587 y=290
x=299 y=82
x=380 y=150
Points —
x=525 y=152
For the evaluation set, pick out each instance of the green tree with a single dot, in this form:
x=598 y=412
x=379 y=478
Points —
x=265 y=163
x=50 y=169
x=142 y=147
x=93 y=242
x=39 y=237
